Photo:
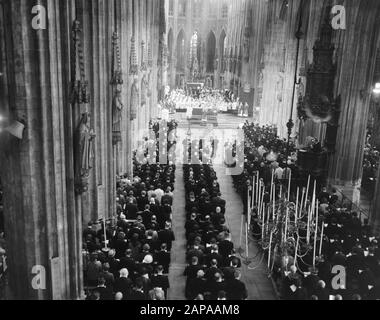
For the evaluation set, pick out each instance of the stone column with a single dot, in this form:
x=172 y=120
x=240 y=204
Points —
x=43 y=228
x=355 y=69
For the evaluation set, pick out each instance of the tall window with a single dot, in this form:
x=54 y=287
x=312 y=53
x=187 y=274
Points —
x=211 y=49
x=182 y=8
x=171 y=7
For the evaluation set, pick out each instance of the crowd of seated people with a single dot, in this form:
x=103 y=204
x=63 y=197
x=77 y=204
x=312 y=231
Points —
x=348 y=243
x=213 y=271
x=130 y=260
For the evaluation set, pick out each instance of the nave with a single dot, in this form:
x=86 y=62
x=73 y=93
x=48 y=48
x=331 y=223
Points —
x=146 y=262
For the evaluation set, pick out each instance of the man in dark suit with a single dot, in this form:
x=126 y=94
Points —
x=159 y=280
x=131 y=210
x=163 y=258
x=124 y=284
x=214 y=255
x=210 y=272
x=105 y=292
x=236 y=289
x=216 y=285
x=322 y=292
x=167 y=197
x=138 y=293
x=225 y=249
x=217 y=201
x=167 y=236
x=196 y=286
x=128 y=262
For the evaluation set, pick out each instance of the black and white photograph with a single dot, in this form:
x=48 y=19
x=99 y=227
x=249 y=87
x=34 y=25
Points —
x=189 y=150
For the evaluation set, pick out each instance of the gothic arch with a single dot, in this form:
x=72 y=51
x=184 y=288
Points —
x=181 y=51
x=210 y=52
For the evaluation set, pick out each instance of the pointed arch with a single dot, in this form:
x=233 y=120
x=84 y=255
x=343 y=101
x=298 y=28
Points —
x=210 y=52
x=181 y=51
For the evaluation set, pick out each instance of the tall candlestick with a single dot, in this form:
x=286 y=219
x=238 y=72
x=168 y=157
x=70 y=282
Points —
x=307 y=191
x=321 y=242
x=263 y=225
x=241 y=230
x=253 y=192
x=313 y=199
x=246 y=239
x=308 y=226
x=289 y=185
x=274 y=202
x=258 y=189
x=296 y=210
x=105 y=233
x=286 y=225
x=301 y=207
x=271 y=186
x=315 y=235
x=270 y=250
x=295 y=253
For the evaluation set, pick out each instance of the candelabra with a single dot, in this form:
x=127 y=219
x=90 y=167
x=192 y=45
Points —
x=287 y=230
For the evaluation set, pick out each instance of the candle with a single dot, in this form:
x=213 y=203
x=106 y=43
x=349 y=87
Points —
x=286 y=224
x=296 y=210
x=248 y=202
x=246 y=239
x=321 y=242
x=258 y=189
x=241 y=230
x=270 y=249
x=263 y=225
x=271 y=186
x=296 y=250
x=308 y=226
x=290 y=179
x=274 y=202
x=253 y=192
x=301 y=207
x=262 y=204
x=307 y=191
x=105 y=233
x=315 y=235
x=280 y=191
x=313 y=200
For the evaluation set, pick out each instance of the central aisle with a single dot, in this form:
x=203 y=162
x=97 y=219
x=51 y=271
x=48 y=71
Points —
x=178 y=265
x=258 y=284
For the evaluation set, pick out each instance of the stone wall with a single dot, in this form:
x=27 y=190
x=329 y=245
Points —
x=43 y=213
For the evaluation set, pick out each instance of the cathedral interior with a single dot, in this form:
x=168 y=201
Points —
x=189 y=149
